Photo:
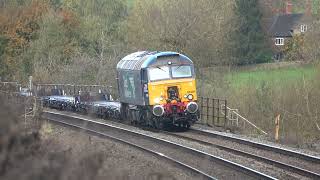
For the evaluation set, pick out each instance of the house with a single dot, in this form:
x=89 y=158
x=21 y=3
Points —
x=284 y=27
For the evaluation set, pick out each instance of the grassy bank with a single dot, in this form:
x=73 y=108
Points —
x=262 y=93
x=274 y=77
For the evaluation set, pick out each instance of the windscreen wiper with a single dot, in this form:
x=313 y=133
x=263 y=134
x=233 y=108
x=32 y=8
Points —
x=161 y=69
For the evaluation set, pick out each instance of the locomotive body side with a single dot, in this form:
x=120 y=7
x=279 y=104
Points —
x=130 y=87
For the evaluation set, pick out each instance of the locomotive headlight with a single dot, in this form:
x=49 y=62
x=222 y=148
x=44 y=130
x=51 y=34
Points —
x=192 y=107
x=190 y=97
x=157 y=100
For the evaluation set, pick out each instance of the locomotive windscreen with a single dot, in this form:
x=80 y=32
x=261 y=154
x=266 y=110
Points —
x=181 y=71
x=159 y=73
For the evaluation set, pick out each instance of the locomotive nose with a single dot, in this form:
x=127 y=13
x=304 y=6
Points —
x=158 y=110
x=192 y=107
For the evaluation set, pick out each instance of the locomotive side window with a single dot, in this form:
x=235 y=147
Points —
x=159 y=73
x=129 y=87
x=181 y=71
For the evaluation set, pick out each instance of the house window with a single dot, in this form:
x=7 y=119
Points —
x=279 y=41
x=304 y=28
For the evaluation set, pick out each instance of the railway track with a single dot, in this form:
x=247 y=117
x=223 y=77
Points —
x=293 y=166
x=205 y=165
x=267 y=147
x=301 y=163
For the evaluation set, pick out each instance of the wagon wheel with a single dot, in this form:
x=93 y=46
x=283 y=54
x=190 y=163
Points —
x=105 y=115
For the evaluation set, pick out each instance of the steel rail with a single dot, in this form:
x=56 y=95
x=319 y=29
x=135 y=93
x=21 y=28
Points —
x=251 y=143
x=221 y=161
x=157 y=154
x=279 y=164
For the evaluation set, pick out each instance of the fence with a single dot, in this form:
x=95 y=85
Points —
x=213 y=111
x=71 y=89
x=237 y=120
x=10 y=86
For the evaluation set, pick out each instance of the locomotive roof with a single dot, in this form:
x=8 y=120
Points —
x=144 y=59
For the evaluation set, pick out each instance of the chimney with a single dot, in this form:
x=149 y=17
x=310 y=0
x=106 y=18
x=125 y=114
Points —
x=289 y=7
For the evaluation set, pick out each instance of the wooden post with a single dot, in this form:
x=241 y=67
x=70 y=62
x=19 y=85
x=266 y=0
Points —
x=213 y=109
x=218 y=113
x=208 y=110
x=225 y=113
x=277 y=123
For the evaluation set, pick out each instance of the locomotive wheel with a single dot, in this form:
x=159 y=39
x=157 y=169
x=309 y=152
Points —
x=158 y=124
x=187 y=125
x=152 y=124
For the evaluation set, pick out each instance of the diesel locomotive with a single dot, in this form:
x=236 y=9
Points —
x=157 y=89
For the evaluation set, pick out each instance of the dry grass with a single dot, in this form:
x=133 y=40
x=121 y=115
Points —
x=25 y=156
x=297 y=100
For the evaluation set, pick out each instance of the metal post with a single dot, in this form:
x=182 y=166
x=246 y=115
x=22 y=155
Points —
x=30 y=82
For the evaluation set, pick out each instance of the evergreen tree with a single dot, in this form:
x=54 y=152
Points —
x=3 y=44
x=249 y=39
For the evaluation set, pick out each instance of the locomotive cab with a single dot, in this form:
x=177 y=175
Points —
x=160 y=86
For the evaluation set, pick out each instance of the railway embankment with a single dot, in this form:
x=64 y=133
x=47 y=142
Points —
x=201 y=150
x=116 y=160
x=85 y=150
x=53 y=152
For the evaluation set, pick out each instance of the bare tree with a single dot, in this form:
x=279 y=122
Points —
x=199 y=29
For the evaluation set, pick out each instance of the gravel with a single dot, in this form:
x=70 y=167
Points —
x=260 y=139
x=196 y=160
x=251 y=163
x=119 y=161
x=312 y=166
